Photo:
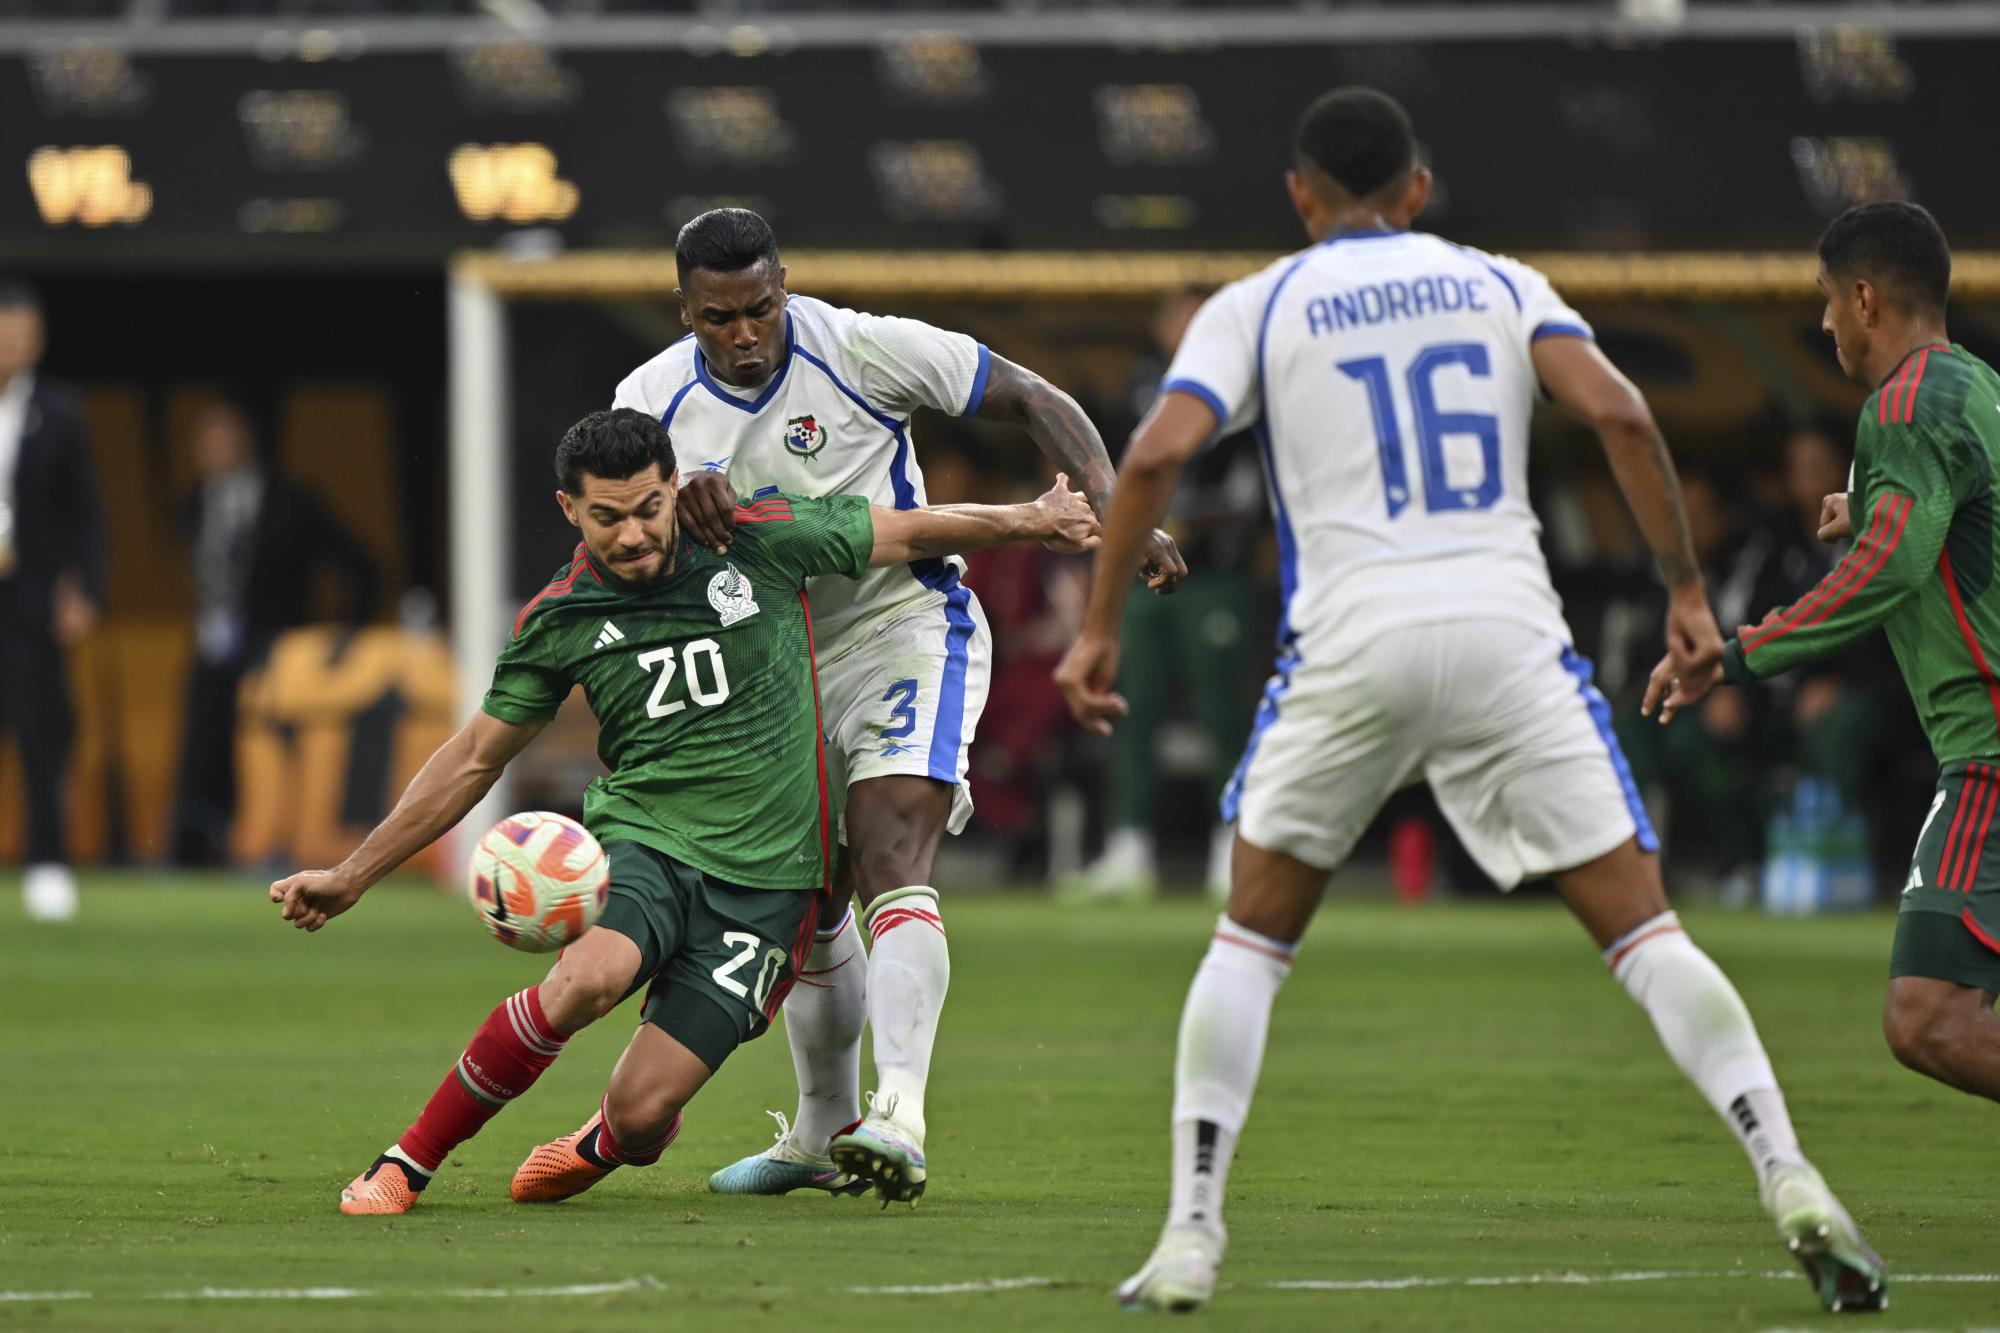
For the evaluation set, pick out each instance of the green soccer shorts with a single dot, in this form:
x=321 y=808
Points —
x=1949 y=927
x=719 y=958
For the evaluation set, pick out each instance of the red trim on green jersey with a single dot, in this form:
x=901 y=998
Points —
x=579 y=562
x=1887 y=393
x=1967 y=872
x=1977 y=933
x=1906 y=410
x=1965 y=632
x=777 y=509
x=1841 y=573
x=819 y=746
x=1898 y=401
x=1885 y=530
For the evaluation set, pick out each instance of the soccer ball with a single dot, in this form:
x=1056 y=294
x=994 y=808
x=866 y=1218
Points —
x=538 y=880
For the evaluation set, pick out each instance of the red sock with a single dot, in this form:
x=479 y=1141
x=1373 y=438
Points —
x=611 y=1152
x=508 y=1053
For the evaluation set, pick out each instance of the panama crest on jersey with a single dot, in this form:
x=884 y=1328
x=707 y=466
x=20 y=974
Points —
x=731 y=596
x=804 y=436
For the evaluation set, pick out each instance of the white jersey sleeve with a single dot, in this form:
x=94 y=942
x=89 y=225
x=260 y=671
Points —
x=903 y=364
x=1217 y=358
x=631 y=393
x=1544 y=314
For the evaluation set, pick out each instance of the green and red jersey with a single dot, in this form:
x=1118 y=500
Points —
x=1922 y=567
x=704 y=691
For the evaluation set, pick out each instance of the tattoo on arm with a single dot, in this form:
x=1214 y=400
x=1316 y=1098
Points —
x=1057 y=425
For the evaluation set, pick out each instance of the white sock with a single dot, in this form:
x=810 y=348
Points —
x=908 y=974
x=1223 y=1028
x=1704 y=1026
x=823 y=1018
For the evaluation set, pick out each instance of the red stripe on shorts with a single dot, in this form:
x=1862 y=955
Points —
x=1965 y=801
x=1968 y=872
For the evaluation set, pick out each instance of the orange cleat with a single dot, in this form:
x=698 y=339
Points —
x=557 y=1170
x=387 y=1186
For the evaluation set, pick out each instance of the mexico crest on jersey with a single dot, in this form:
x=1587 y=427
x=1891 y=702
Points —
x=729 y=593
x=804 y=436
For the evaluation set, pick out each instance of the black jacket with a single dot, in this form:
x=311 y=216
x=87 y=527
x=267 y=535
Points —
x=58 y=521
x=293 y=535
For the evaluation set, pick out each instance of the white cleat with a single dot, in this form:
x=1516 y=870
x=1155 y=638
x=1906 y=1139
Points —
x=49 y=892
x=885 y=1152
x=782 y=1168
x=1845 y=1273
x=1179 y=1277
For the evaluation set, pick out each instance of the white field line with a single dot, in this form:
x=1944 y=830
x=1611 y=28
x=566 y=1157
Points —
x=1586 y=1279
x=647 y=1282
x=957 y=1288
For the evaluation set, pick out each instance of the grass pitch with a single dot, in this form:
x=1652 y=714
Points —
x=1452 y=1093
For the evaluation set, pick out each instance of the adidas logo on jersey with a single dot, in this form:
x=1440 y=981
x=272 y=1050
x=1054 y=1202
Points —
x=609 y=634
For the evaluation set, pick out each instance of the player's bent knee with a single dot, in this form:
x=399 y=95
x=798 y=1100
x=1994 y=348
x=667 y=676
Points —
x=1917 y=1022
x=582 y=990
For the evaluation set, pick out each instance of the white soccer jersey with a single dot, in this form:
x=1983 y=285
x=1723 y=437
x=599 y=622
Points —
x=833 y=419
x=1388 y=378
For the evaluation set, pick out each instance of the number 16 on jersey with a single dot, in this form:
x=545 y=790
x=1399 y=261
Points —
x=1433 y=426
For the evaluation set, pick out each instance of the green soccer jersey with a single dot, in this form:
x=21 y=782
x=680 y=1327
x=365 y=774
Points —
x=1922 y=567
x=704 y=690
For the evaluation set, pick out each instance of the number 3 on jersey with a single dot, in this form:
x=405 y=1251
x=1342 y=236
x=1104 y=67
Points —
x=703 y=656
x=1433 y=426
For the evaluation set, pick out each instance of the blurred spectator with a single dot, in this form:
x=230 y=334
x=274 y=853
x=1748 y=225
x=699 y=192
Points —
x=1034 y=600
x=256 y=540
x=1729 y=780
x=1198 y=644
x=51 y=584
x=1717 y=793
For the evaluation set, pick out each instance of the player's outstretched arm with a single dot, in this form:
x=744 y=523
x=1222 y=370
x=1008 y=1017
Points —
x=1583 y=381
x=1061 y=519
x=1173 y=432
x=445 y=789
x=1068 y=440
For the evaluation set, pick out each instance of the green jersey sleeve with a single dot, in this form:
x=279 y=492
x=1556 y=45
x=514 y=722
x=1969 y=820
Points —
x=803 y=538
x=531 y=678
x=1908 y=485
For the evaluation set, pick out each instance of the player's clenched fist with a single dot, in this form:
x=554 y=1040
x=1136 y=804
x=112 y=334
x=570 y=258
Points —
x=1072 y=524
x=1834 y=525
x=1085 y=676
x=311 y=898
x=1163 y=569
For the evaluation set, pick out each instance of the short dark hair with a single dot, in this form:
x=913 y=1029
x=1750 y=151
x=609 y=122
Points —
x=1359 y=136
x=612 y=443
x=724 y=240
x=1895 y=245
x=17 y=294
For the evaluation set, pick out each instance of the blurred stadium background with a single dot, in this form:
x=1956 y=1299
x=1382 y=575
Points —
x=393 y=247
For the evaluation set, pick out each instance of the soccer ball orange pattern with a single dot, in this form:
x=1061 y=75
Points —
x=538 y=880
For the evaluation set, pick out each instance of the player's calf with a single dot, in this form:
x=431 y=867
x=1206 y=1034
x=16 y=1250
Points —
x=518 y=1040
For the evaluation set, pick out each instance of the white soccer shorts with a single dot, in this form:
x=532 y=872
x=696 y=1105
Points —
x=1501 y=719
x=907 y=698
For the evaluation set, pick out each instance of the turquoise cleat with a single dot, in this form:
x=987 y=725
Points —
x=782 y=1168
